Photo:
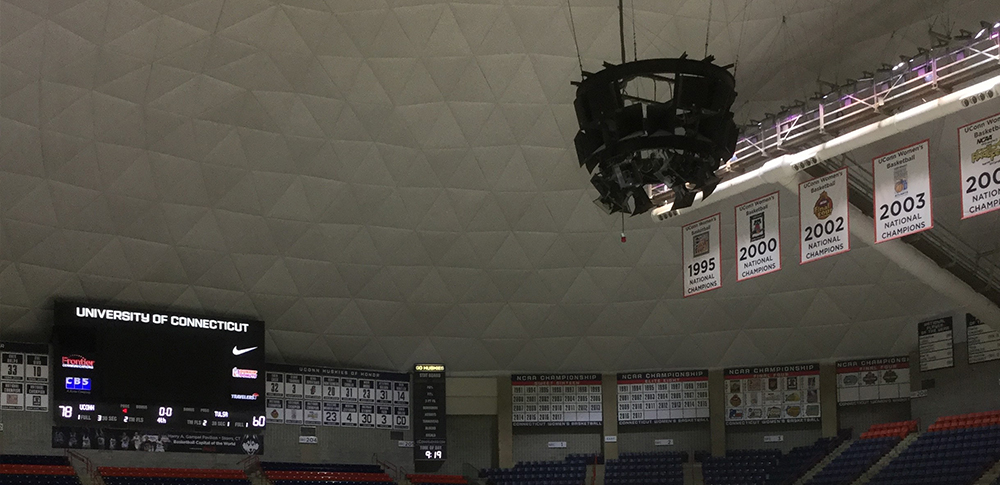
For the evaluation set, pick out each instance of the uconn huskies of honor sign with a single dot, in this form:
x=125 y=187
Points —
x=701 y=251
x=824 y=225
x=979 y=163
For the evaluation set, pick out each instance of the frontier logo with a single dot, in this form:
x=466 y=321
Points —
x=244 y=373
x=77 y=361
x=245 y=397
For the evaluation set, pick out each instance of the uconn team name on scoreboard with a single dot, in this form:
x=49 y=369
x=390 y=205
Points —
x=325 y=396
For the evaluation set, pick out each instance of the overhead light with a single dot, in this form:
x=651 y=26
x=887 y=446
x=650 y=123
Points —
x=986 y=27
x=899 y=66
x=628 y=142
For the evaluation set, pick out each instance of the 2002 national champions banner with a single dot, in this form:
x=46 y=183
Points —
x=663 y=397
x=872 y=381
x=337 y=397
x=772 y=394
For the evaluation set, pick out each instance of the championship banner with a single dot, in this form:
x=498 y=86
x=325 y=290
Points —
x=984 y=342
x=902 y=192
x=772 y=394
x=935 y=339
x=979 y=164
x=873 y=381
x=556 y=399
x=824 y=221
x=663 y=397
x=337 y=397
x=702 y=254
x=24 y=381
x=758 y=237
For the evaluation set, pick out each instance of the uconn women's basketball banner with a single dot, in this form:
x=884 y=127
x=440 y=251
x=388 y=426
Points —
x=902 y=192
x=772 y=394
x=556 y=399
x=979 y=155
x=323 y=396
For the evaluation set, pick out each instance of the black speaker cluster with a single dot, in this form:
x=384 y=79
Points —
x=628 y=141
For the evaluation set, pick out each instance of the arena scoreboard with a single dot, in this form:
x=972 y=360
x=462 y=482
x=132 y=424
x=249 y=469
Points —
x=157 y=381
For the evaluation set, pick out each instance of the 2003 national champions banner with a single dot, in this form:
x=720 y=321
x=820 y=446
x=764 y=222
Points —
x=979 y=164
x=902 y=199
x=663 y=397
x=772 y=394
x=337 y=397
x=872 y=381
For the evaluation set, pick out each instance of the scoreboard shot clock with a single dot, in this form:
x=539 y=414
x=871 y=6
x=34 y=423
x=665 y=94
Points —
x=429 y=443
x=127 y=379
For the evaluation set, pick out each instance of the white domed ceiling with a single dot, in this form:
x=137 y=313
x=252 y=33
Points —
x=385 y=182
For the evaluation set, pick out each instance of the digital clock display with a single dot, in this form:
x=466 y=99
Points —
x=157 y=381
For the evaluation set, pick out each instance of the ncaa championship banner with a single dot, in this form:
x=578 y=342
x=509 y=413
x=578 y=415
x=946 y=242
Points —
x=556 y=399
x=772 y=394
x=758 y=237
x=663 y=397
x=702 y=255
x=872 y=381
x=824 y=220
x=902 y=192
x=979 y=164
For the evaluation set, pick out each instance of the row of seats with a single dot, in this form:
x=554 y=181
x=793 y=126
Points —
x=956 y=456
x=171 y=476
x=766 y=467
x=854 y=461
x=970 y=420
x=570 y=471
x=36 y=470
x=430 y=479
x=33 y=460
x=898 y=429
x=658 y=468
x=320 y=467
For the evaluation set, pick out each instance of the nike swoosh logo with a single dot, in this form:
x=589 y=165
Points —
x=239 y=351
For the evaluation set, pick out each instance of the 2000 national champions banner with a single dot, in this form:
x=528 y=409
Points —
x=337 y=397
x=979 y=164
x=772 y=394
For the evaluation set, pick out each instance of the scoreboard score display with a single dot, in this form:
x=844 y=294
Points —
x=157 y=381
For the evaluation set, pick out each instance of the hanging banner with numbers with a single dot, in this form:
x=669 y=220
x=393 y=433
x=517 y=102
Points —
x=824 y=221
x=556 y=399
x=984 y=341
x=772 y=394
x=873 y=381
x=936 y=342
x=663 y=397
x=979 y=164
x=337 y=397
x=702 y=255
x=24 y=379
x=758 y=237
x=902 y=192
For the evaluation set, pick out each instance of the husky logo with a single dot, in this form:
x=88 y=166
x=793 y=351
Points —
x=990 y=152
x=250 y=445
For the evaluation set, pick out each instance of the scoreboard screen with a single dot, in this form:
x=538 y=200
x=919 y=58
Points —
x=157 y=381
